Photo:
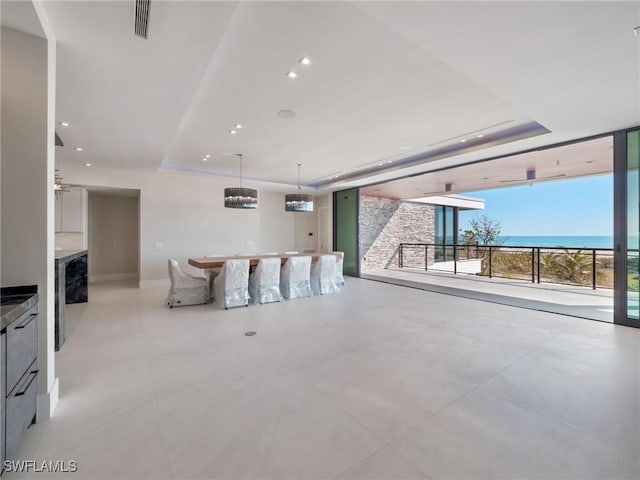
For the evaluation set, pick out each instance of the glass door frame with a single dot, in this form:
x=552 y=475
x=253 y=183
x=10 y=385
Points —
x=335 y=226
x=620 y=212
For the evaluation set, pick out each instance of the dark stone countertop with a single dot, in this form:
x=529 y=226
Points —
x=14 y=301
x=68 y=255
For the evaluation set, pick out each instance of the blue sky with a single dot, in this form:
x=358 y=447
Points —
x=580 y=206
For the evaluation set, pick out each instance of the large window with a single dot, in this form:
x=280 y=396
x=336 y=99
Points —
x=446 y=219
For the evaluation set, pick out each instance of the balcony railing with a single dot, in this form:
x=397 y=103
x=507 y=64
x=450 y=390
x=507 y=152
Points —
x=569 y=266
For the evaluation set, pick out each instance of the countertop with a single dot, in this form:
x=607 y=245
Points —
x=67 y=255
x=14 y=301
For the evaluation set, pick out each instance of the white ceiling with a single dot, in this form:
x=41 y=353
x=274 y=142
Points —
x=21 y=15
x=384 y=74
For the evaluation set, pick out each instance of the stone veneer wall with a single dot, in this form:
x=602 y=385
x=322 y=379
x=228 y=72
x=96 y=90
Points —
x=385 y=223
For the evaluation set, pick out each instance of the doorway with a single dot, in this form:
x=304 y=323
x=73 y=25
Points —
x=113 y=236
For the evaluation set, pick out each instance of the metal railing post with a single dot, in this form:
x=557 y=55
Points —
x=538 y=264
x=533 y=265
x=455 y=260
x=490 y=261
x=426 y=257
x=593 y=269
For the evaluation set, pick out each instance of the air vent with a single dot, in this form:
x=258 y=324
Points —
x=141 y=25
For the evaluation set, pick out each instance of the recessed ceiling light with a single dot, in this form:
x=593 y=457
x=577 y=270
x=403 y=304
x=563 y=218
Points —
x=480 y=135
x=291 y=74
x=379 y=164
x=204 y=159
x=305 y=61
x=463 y=140
x=88 y=164
x=232 y=132
x=287 y=114
x=389 y=161
x=207 y=155
x=64 y=124
x=78 y=149
x=238 y=126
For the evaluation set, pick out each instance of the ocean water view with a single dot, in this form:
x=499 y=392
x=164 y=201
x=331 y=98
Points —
x=605 y=241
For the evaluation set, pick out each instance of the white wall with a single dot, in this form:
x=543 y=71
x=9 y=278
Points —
x=325 y=222
x=182 y=215
x=28 y=91
x=71 y=213
x=113 y=238
x=306 y=223
x=276 y=226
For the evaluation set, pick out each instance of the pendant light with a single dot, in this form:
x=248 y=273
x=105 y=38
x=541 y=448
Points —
x=298 y=202
x=239 y=197
x=58 y=187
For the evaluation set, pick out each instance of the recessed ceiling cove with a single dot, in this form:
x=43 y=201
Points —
x=368 y=90
x=452 y=81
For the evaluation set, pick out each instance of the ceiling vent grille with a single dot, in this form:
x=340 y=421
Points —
x=141 y=25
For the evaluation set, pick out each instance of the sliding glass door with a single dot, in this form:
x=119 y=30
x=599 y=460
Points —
x=345 y=228
x=627 y=227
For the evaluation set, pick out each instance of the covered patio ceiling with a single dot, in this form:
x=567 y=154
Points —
x=591 y=157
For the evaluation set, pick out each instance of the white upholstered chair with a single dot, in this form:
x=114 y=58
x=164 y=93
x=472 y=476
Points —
x=264 y=282
x=186 y=289
x=212 y=272
x=294 y=278
x=323 y=275
x=339 y=268
x=231 y=286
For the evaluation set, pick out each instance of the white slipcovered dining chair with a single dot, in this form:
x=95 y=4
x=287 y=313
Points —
x=231 y=286
x=323 y=275
x=294 y=278
x=186 y=289
x=339 y=267
x=264 y=282
x=212 y=272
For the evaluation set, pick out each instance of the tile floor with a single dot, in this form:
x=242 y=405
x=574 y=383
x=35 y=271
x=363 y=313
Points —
x=378 y=381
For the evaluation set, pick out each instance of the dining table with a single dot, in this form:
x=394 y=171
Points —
x=217 y=262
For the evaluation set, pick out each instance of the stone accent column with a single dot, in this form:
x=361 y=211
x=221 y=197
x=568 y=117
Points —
x=385 y=223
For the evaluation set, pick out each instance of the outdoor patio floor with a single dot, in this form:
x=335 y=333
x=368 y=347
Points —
x=547 y=297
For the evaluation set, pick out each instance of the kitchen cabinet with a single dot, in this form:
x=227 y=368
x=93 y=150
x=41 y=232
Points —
x=19 y=367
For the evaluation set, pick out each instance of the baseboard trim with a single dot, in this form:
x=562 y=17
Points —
x=156 y=283
x=47 y=402
x=114 y=277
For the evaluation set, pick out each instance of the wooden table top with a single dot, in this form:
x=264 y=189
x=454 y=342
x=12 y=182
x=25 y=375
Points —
x=217 y=262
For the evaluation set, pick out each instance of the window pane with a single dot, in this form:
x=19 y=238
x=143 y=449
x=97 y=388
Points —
x=347 y=228
x=633 y=224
